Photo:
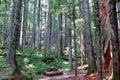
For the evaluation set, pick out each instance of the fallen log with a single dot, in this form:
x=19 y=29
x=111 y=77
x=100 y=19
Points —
x=2 y=54
x=53 y=73
x=2 y=47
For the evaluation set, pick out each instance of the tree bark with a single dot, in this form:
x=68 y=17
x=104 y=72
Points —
x=88 y=38
x=38 y=27
x=75 y=44
x=25 y=20
x=70 y=45
x=115 y=40
x=13 y=38
x=34 y=24
x=98 y=38
x=48 y=30
x=59 y=37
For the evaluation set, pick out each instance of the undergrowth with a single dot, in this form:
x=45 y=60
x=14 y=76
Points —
x=33 y=64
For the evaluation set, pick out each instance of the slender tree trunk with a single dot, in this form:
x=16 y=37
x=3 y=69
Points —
x=41 y=20
x=13 y=38
x=34 y=24
x=118 y=14
x=59 y=37
x=48 y=30
x=66 y=33
x=5 y=23
x=25 y=19
x=45 y=31
x=88 y=37
x=115 y=40
x=98 y=38
x=82 y=49
x=70 y=45
x=75 y=44
x=38 y=27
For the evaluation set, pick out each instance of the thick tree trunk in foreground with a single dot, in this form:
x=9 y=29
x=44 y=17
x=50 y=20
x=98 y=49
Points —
x=115 y=40
x=88 y=38
x=14 y=35
x=98 y=38
x=105 y=32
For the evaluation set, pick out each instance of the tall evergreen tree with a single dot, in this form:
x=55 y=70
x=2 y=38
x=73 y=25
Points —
x=88 y=38
x=98 y=37
x=34 y=24
x=59 y=37
x=25 y=20
x=14 y=36
x=48 y=30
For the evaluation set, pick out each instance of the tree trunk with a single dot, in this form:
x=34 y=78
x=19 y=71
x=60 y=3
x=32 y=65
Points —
x=59 y=37
x=70 y=45
x=115 y=40
x=88 y=38
x=25 y=19
x=13 y=38
x=66 y=33
x=34 y=24
x=75 y=44
x=48 y=30
x=38 y=27
x=82 y=49
x=5 y=24
x=98 y=38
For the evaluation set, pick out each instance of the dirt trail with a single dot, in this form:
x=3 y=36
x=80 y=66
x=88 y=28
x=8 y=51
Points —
x=66 y=76
x=81 y=76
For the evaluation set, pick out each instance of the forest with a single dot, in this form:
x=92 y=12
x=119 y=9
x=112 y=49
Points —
x=59 y=39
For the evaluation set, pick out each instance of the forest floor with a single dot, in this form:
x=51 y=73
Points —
x=81 y=75
x=67 y=75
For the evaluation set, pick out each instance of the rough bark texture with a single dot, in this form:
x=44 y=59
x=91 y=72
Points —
x=38 y=27
x=98 y=38
x=14 y=35
x=75 y=44
x=105 y=31
x=59 y=37
x=66 y=33
x=115 y=40
x=70 y=45
x=25 y=19
x=34 y=24
x=88 y=37
x=5 y=23
x=48 y=30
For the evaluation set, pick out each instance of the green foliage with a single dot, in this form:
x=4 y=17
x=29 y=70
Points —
x=2 y=62
x=33 y=65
